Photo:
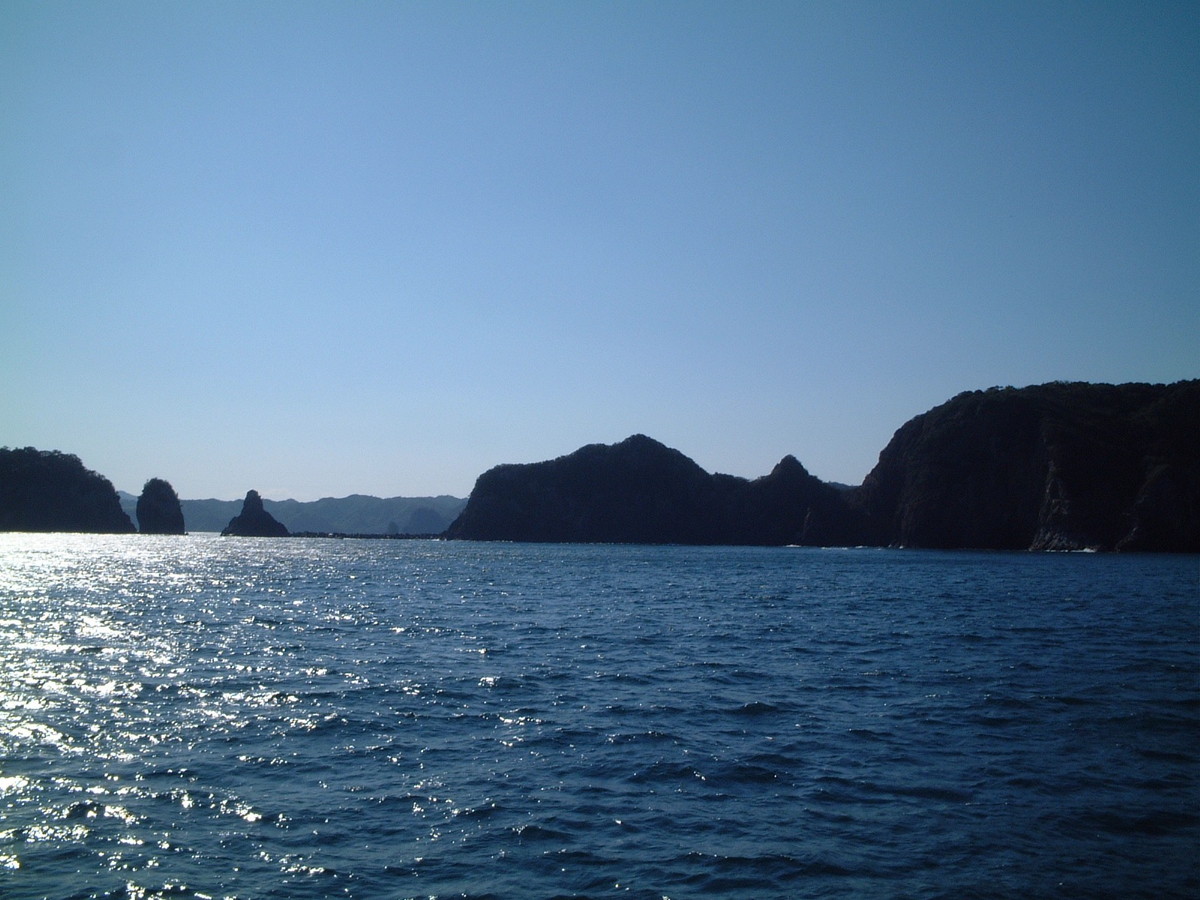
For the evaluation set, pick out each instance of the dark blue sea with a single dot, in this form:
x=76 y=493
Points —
x=198 y=717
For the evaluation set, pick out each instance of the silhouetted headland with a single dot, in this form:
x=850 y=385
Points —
x=639 y=491
x=45 y=490
x=1061 y=466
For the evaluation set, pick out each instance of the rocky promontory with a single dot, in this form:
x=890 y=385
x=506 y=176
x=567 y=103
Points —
x=45 y=490
x=158 y=509
x=1061 y=466
x=254 y=521
x=640 y=491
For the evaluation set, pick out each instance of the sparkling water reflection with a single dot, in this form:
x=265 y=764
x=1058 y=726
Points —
x=197 y=716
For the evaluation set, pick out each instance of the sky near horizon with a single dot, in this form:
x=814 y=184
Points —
x=319 y=248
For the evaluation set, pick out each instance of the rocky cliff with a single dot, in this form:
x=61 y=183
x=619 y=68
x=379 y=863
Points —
x=44 y=490
x=1052 y=467
x=1056 y=467
x=254 y=521
x=158 y=509
x=639 y=491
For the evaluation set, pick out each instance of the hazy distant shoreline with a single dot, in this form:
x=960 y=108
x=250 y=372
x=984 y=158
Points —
x=357 y=515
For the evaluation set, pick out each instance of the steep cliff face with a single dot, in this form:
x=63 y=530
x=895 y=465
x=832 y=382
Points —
x=1056 y=466
x=639 y=491
x=254 y=521
x=44 y=490
x=1051 y=467
x=158 y=509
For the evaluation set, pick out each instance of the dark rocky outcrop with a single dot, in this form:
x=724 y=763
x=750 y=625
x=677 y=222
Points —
x=158 y=509
x=254 y=521
x=1052 y=467
x=1058 y=466
x=44 y=490
x=790 y=506
x=639 y=491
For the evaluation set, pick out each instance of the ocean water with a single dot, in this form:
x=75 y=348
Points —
x=237 y=718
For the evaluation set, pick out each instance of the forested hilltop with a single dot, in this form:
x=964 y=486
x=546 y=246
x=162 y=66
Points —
x=45 y=490
x=1057 y=466
x=640 y=491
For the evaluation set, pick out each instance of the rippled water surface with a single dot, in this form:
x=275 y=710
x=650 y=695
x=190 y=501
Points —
x=290 y=718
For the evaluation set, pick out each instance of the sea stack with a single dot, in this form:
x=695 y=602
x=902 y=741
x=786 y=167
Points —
x=254 y=521
x=158 y=509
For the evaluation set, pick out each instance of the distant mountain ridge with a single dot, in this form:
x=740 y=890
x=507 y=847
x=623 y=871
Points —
x=355 y=514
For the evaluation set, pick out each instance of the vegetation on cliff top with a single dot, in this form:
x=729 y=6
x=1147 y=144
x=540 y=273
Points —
x=45 y=490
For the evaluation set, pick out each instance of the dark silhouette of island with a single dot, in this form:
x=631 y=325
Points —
x=1061 y=466
x=45 y=490
x=254 y=521
x=158 y=509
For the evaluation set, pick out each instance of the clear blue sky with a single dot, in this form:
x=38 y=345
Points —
x=326 y=248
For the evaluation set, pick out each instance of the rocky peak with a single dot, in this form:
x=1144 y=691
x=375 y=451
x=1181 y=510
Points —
x=254 y=520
